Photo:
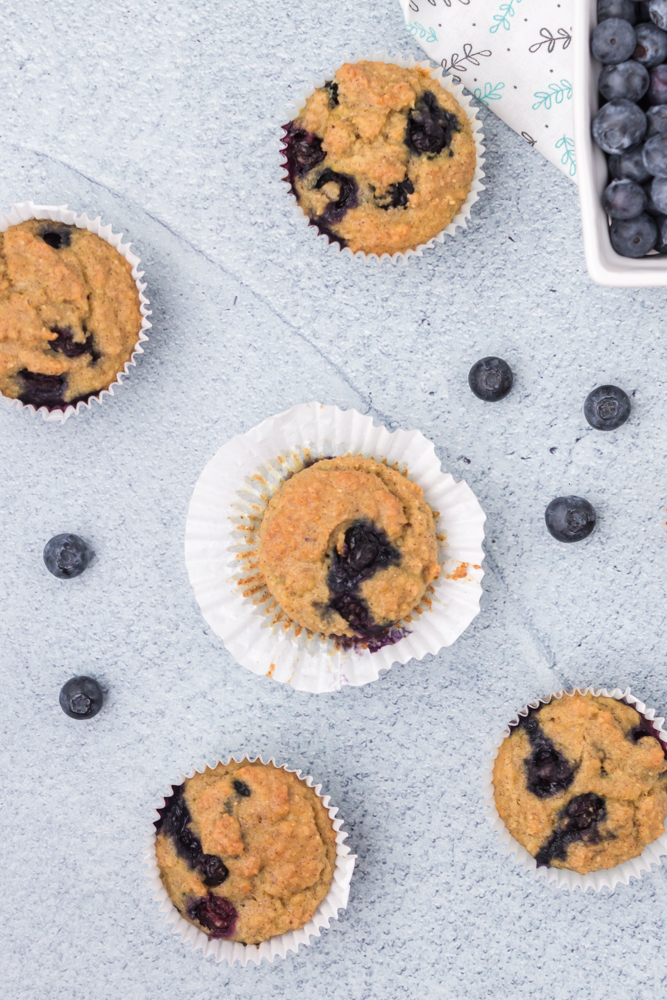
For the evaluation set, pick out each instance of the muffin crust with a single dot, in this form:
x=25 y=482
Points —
x=382 y=158
x=69 y=313
x=581 y=783
x=246 y=851
x=347 y=546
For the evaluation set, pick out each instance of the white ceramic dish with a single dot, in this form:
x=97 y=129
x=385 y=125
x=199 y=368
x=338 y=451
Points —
x=605 y=266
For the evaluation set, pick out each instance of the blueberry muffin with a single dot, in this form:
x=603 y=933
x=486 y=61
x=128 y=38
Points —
x=381 y=158
x=347 y=547
x=245 y=851
x=581 y=783
x=69 y=314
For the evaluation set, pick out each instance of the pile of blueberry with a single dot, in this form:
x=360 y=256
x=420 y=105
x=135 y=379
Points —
x=569 y=519
x=631 y=125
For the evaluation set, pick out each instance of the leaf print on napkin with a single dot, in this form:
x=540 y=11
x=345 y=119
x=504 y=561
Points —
x=457 y=62
x=491 y=93
x=550 y=40
x=557 y=92
x=567 y=159
x=416 y=28
x=502 y=19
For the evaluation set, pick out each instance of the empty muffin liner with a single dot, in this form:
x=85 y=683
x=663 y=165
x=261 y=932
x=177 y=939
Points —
x=276 y=947
x=608 y=878
x=220 y=537
x=461 y=219
x=28 y=210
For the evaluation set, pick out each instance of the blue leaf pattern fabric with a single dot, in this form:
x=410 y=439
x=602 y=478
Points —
x=514 y=56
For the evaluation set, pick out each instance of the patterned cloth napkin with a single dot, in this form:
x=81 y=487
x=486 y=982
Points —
x=514 y=56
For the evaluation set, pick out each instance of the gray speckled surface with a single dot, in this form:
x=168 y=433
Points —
x=162 y=117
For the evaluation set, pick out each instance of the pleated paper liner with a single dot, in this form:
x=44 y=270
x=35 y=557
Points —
x=561 y=878
x=54 y=213
x=460 y=221
x=280 y=945
x=227 y=506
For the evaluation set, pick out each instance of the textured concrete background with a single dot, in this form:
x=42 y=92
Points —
x=162 y=117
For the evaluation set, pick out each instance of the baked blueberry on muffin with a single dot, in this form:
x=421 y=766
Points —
x=581 y=783
x=381 y=158
x=69 y=313
x=347 y=547
x=245 y=851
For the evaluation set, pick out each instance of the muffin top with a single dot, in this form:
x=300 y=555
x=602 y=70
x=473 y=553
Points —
x=245 y=851
x=347 y=546
x=381 y=158
x=69 y=313
x=581 y=783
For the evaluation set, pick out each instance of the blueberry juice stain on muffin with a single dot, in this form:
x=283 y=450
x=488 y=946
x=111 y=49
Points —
x=246 y=851
x=69 y=314
x=581 y=783
x=347 y=548
x=381 y=158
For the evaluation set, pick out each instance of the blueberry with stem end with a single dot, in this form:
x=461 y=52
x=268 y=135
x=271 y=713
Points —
x=613 y=41
x=570 y=519
x=490 y=379
x=634 y=237
x=618 y=126
x=651 y=48
x=657 y=10
x=66 y=556
x=81 y=698
x=607 y=407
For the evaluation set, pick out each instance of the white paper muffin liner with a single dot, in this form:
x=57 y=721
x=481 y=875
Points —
x=276 y=947
x=461 y=219
x=61 y=213
x=233 y=491
x=560 y=877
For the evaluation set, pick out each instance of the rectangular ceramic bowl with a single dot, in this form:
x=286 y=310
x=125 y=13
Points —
x=605 y=266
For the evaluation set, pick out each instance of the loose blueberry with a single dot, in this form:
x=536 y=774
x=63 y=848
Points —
x=613 y=40
x=348 y=195
x=629 y=166
x=81 y=698
x=607 y=407
x=657 y=10
x=303 y=151
x=215 y=913
x=655 y=155
x=651 y=48
x=627 y=80
x=624 y=9
x=656 y=120
x=56 y=236
x=657 y=89
x=66 y=556
x=624 y=199
x=241 y=788
x=570 y=519
x=430 y=128
x=618 y=125
x=634 y=237
x=396 y=195
x=657 y=191
x=490 y=379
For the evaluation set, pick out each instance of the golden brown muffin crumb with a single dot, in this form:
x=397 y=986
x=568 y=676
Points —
x=347 y=546
x=69 y=313
x=382 y=158
x=246 y=851
x=581 y=783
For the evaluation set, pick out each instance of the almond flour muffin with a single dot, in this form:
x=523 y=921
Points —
x=347 y=547
x=381 y=158
x=69 y=314
x=581 y=783
x=245 y=851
